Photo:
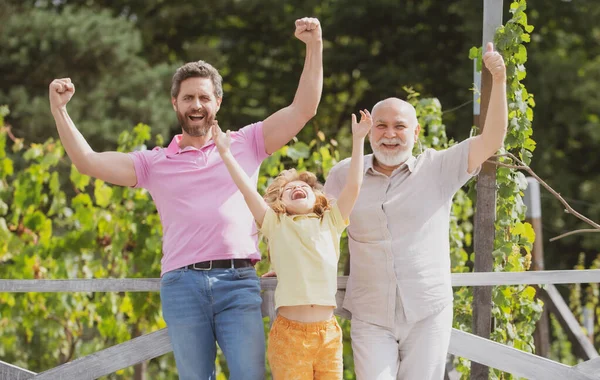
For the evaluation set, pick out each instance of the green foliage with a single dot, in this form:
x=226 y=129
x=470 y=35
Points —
x=584 y=303
x=371 y=50
x=100 y=232
x=115 y=87
x=564 y=55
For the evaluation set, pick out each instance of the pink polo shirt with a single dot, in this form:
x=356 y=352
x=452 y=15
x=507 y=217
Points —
x=203 y=214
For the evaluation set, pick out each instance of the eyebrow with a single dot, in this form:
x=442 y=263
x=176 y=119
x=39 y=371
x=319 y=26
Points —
x=193 y=93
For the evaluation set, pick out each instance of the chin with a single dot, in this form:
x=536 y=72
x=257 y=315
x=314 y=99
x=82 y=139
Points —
x=395 y=159
x=196 y=131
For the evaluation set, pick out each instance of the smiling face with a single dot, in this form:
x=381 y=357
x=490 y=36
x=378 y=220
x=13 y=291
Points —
x=196 y=106
x=298 y=198
x=296 y=193
x=395 y=131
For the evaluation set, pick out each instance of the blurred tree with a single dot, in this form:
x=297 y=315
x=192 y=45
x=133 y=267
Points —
x=372 y=49
x=116 y=88
x=564 y=67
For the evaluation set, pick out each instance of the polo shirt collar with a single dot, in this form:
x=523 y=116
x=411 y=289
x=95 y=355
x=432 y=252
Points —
x=174 y=148
x=410 y=163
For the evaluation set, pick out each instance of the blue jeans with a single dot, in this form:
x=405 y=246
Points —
x=222 y=305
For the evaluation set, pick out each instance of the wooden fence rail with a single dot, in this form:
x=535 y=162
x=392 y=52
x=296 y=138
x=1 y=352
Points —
x=463 y=344
x=9 y=371
x=153 y=284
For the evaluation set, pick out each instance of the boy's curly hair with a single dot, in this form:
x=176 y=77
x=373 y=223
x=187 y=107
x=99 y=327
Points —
x=275 y=191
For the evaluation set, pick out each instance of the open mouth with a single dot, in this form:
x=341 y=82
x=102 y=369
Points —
x=196 y=117
x=390 y=146
x=298 y=194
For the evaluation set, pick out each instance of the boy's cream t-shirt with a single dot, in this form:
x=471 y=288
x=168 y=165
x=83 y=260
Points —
x=304 y=251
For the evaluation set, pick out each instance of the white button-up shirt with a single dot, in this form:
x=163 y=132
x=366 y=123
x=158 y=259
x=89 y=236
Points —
x=399 y=235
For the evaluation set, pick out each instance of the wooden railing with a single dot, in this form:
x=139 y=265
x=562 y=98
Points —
x=463 y=344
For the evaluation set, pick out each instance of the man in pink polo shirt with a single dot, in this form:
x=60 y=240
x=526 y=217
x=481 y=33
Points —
x=209 y=289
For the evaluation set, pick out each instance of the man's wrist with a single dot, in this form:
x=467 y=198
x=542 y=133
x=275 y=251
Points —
x=500 y=80
x=315 y=44
x=58 y=110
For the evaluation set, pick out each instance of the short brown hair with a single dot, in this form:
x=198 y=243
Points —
x=275 y=190
x=199 y=69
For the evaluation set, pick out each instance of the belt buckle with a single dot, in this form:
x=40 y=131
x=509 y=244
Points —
x=199 y=268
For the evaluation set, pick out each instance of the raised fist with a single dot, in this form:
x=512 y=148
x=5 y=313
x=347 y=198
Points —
x=494 y=63
x=61 y=91
x=308 y=30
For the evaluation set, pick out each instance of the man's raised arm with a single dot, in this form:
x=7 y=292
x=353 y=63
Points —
x=283 y=125
x=112 y=167
x=496 y=121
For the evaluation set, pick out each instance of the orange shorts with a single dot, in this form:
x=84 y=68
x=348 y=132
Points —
x=303 y=351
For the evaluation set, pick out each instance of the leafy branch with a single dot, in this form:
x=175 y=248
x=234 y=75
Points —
x=522 y=166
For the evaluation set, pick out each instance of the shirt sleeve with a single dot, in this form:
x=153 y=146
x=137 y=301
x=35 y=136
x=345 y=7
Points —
x=453 y=167
x=332 y=187
x=142 y=165
x=269 y=223
x=336 y=219
x=253 y=135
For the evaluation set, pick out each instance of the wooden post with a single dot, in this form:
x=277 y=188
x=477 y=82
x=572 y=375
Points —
x=485 y=214
x=541 y=335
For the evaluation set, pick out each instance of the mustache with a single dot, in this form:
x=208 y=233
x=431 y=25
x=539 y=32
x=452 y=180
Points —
x=202 y=112
x=391 y=141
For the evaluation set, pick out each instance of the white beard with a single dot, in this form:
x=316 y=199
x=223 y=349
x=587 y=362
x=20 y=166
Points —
x=392 y=158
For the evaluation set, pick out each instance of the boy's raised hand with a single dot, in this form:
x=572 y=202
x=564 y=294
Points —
x=222 y=140
x=362 y=128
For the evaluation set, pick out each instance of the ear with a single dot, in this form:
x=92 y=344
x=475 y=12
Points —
x=173 y=102
x=219 y=100
x=417 y=131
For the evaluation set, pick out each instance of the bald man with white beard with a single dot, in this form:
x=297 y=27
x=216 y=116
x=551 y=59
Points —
x=399 y=289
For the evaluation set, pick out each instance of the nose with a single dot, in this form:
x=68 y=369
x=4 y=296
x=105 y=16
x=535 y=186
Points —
x=197 y=104
x=389 y=133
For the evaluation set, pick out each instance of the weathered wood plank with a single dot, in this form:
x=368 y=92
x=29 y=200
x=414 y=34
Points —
x=112 y=359
x=153 y=284
x=81 y=285
x=516 y=278
x=509 y=359
x=591 y=367
x=12 y=372
x=557 y=305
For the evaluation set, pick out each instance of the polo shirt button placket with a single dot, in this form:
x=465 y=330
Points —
x=201 y=159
